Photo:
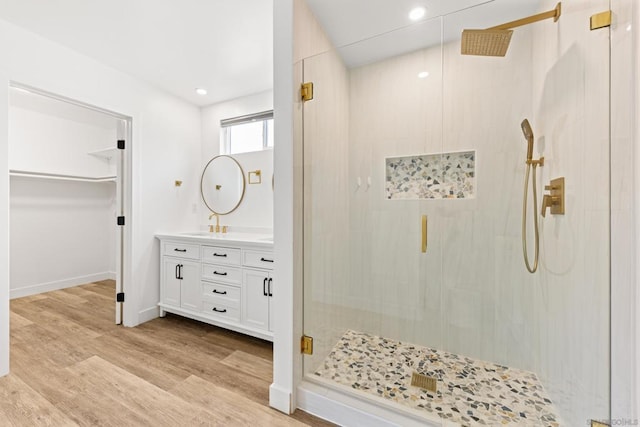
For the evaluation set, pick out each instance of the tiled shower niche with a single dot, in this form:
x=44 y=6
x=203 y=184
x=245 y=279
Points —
x=431 y=176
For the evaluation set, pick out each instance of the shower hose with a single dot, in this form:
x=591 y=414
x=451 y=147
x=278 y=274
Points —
x=533 y=269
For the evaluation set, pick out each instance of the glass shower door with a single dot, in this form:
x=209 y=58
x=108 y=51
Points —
x=372 y=139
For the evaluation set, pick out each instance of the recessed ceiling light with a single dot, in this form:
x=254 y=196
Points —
x=201 y=91
x=629 y=27
x=423 y=74
x=417 y=13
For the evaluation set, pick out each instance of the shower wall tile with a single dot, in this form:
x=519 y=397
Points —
x=514 y=331
x=431 y=176
x=570 y=83
x=593 y=322
x=312 y=40
x=625 y=130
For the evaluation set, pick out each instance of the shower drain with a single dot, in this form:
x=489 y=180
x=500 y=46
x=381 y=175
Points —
x=424 y=381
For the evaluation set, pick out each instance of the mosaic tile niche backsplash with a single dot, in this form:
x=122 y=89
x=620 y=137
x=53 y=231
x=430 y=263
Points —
x=431 y=176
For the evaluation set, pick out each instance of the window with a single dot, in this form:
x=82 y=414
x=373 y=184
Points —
x=253 y=132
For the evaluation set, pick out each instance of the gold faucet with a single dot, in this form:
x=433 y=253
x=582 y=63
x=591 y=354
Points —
x=217 y=222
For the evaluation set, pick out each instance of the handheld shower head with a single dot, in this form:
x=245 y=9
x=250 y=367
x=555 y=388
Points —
x=528 y=134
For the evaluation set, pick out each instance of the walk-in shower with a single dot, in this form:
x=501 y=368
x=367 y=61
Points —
x=402 y=127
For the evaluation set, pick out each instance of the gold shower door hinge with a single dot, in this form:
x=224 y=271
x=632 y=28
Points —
x=306 y=91
x=306 y=345
x=601 y=20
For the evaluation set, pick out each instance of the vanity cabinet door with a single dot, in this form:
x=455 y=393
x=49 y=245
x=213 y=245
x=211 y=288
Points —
x=190 y=289
x=181 y=283
x=255 y=310
x=171 y=281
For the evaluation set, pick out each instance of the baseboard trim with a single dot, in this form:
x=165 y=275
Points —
x=280 y=399
x=343 y=408
x=148 y=314
x=60 y=284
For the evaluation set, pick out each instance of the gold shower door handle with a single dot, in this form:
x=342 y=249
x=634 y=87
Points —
x=424 y=233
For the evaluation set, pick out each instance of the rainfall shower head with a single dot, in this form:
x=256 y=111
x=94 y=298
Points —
x=495 y=41
x=528 y=134
x=485 y=42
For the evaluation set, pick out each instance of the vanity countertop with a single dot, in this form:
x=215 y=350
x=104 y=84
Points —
x=232 y=237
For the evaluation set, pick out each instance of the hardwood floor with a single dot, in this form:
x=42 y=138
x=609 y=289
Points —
x=70 y=365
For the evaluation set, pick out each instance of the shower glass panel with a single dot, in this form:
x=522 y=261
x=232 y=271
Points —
x=362 y=250
x=394 y=136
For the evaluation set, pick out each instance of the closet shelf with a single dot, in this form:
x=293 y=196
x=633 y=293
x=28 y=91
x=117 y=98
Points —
x=106 y=153
x=56 y=176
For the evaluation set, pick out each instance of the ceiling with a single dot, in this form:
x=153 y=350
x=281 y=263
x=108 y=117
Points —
x=226 y=46
x=384 y=29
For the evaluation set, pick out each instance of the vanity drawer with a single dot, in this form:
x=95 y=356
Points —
x=221 y=273
x=181 y=250
x=222 y=294
x=220 y=255
x=258 y=259
x=221 y=310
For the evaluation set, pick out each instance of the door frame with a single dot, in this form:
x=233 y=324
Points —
x=123 y=192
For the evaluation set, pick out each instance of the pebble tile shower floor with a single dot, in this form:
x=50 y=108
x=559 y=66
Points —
x=470 y=392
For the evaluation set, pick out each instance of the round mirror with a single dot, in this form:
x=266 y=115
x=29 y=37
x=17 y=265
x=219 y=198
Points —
x=222 y=184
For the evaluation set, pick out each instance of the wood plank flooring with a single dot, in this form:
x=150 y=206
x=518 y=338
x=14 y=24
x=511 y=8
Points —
x=71 y=366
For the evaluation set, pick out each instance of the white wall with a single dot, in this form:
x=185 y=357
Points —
x=165 y=147
x=256 y=209
x=52 y=136
x=287 y=368
x=62 y=234
x=297 y=35
x=4 y=220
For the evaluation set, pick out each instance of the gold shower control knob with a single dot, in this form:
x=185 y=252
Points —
x=554 y=201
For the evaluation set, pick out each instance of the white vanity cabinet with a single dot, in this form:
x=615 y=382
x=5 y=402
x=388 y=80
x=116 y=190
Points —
x=226 y=282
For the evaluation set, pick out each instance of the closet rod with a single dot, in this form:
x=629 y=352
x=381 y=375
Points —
x=44 y=175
